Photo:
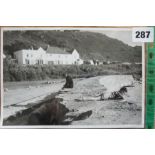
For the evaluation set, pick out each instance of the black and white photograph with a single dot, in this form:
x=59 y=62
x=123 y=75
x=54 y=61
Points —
x=67 y=77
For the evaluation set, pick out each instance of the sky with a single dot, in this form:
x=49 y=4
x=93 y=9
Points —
x=123 y=35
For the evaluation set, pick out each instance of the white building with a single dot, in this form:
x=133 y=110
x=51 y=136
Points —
x=4 y=56
x=91 y=62
x=53 y=55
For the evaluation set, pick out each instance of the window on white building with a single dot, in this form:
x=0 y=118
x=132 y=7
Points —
x=41 y=62
x=37 y=62
x=27 y=61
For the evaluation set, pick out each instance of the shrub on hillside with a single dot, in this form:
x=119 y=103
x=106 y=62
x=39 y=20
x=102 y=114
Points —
x=14 y=72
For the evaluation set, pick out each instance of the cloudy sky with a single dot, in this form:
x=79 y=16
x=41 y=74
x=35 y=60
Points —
x=123 y=35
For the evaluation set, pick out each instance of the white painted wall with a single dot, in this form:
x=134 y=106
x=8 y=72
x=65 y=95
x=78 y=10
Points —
x=40 y=56
x=60 y=58
x=33 y=56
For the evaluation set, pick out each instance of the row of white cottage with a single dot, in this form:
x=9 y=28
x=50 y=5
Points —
x=53 y=55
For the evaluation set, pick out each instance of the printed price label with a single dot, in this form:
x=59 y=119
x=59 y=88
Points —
x=143 y=34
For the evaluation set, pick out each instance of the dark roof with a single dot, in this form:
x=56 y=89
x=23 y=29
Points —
x=56 y=50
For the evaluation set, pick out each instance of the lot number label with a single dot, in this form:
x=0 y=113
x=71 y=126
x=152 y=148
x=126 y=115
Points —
x=143 y=34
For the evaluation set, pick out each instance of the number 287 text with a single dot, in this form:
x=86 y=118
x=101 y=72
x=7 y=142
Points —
x=142 y=34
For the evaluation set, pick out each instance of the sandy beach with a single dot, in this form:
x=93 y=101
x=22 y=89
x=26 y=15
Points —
x=82 y=98
x=21 y=94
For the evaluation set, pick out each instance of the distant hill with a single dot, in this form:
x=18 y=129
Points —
x=90 y=45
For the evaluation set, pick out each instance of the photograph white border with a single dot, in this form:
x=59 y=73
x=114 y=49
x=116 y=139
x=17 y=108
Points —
x=142 y=125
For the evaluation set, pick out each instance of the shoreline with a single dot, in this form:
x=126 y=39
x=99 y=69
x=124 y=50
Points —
x=24 y=114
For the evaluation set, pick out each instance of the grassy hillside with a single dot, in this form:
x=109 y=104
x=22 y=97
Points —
x=90 y=45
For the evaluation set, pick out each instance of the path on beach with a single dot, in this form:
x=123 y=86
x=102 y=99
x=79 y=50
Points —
x=18 y=99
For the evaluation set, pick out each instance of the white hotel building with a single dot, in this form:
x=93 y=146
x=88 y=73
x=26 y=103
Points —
x=53 y=55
